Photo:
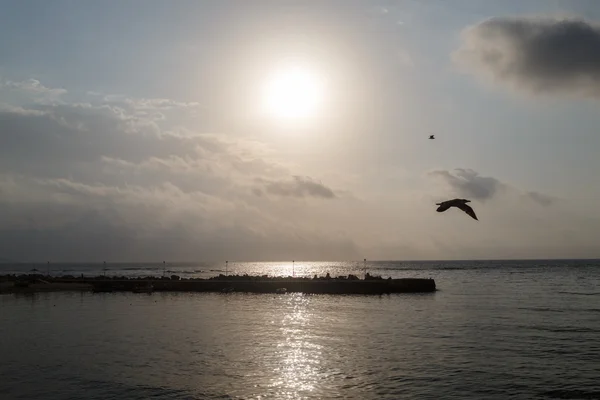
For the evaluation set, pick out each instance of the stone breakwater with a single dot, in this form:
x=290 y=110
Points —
x=350 y=284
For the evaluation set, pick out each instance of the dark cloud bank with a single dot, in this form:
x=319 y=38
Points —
x=535 y=55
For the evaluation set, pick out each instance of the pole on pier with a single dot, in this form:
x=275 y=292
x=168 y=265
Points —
x=104 y=269
x=293 y=269
x=226 y=265
x=365 y=266
x=164 y=268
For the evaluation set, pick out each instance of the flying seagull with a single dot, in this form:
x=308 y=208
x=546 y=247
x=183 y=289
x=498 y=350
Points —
x=431 y=136
x=459 y=203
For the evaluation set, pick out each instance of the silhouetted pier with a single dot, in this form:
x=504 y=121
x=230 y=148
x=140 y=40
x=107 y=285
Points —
x=227 y=284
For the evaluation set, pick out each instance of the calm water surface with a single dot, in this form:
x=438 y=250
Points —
x=494 y=330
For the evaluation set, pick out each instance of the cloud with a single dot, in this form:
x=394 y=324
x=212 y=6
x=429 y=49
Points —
x=102 y=180
x=108 y=144
x=541 y=198
x=35 y=88
x=535 y=55
x=298 y=186
x=468 y=183
x=72 y=221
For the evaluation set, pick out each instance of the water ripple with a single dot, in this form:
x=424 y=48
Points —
x=493 y=331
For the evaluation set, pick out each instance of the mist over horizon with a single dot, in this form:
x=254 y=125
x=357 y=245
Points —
x=282 y=262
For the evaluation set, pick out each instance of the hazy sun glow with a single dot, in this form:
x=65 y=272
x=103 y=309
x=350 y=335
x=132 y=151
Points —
x=293 y=93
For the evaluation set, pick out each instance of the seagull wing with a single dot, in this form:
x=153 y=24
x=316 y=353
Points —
x=466 y=208
x=443 y=206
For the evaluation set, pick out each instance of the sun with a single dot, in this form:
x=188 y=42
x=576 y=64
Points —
x=293 y=93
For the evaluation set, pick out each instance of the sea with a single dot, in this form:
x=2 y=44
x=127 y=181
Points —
x=493 y=330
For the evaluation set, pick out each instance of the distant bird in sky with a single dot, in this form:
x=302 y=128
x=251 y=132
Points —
x=431 y=136
x=458 y=203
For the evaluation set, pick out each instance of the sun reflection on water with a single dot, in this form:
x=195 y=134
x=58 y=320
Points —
x=298 y=356
x=293 y=268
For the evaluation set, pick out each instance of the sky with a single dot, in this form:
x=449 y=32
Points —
x=157 y=130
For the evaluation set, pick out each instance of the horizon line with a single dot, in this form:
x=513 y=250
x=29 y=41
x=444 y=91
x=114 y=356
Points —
x=296 y=261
